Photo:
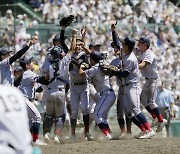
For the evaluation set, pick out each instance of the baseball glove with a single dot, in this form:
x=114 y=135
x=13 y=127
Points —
x=66 y=21
x=107 y=68
x=85 y=66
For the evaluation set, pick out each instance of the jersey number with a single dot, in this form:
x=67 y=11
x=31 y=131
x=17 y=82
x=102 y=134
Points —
x=13 y=101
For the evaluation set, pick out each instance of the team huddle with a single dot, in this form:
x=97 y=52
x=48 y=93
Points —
x=80 y=77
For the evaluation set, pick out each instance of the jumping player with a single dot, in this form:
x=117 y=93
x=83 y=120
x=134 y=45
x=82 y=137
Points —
x=148 y=68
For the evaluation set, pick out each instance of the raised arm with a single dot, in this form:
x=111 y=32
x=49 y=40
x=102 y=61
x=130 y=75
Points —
x=62 y=39
x=115 y=37
x=73 y=42
x=23 y=50
x=83 y=33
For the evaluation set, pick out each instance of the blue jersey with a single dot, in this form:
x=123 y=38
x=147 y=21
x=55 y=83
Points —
x=164 y=98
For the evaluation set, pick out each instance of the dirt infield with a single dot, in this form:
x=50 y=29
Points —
x=128 y=146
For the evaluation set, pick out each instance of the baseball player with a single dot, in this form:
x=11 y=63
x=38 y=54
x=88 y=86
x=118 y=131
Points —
x=15 y=137
x=55 y=102
x=148 y=68
x=103 y=86
x=6 y=61
x=120 y=107
x=79 y=91
x=131 y=87
x=28 y=81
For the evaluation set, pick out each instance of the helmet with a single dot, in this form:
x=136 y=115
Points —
x=55 y=53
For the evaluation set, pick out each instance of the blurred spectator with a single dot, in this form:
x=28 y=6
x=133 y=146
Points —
x=164 y=100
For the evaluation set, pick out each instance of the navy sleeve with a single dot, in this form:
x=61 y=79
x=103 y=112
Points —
x=18 y=54
x=62 y=41
x=116 y=40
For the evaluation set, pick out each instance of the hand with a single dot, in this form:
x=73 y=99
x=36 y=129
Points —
x=83 y=30
x=113 y=26
x=74 y=32
x=32 y=41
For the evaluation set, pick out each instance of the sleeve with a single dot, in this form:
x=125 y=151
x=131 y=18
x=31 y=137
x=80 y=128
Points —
x=18 y=54
x=148 y=58
x=5 y=62
x=116 y=40
x=171 y=99
x=62 y=41
x=91 y=72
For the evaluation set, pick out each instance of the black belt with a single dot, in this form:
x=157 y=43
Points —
x=150 y=78
x=107 y=90
x=78 y=83
x=58 y=89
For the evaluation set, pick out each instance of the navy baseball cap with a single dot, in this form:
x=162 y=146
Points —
x=4 y=50
x=93 y=44
x=18 y=68
x=144 y=39
x=130 y=42
x=96 y=56
x=26 y=61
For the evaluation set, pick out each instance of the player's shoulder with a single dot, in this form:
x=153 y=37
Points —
x=7 y=89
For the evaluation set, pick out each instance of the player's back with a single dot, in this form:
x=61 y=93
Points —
x=14 y=126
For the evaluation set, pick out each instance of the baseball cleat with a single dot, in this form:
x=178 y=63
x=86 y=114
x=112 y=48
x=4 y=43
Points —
x=161 y=125
x=73 y=139
x=89 y=137
x=108 y=136
x=56 y=139
x=151 y=134
x=47 y=138
x=38 y=142
x=140 y=134
x=154 y=122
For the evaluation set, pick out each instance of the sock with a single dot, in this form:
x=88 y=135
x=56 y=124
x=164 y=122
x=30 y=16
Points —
x=35 y=131
x=150 y=111
x=103 y=128
x=137 y=123
x=73 y=126
x=121 y=123
x=128 y=125
x=108 y=128
x=86 y=122
x=144 y=121
x=156 y=111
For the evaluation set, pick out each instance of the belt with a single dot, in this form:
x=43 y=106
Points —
x=78 y=83
x=106 y=91
x=58 y=89
x=150 y=78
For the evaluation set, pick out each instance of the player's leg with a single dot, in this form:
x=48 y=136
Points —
x=120 y=111
x=152 y=91
x=35 y=117
x=59 y=98
x=74 y=99
x=84 y=98
x=48 y=116
x=102 y=108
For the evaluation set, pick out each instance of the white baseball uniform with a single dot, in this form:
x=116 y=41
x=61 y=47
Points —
x=102 y=85
x=14 y=128
x=150 y=72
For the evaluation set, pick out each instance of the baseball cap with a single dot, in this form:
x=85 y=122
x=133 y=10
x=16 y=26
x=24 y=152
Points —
x=18 y=68
x=144 y=39
x=4 y=50
x=96 y=56
x=130 y=42
x=93 y=44
x=25 y=61
x=112 y=44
